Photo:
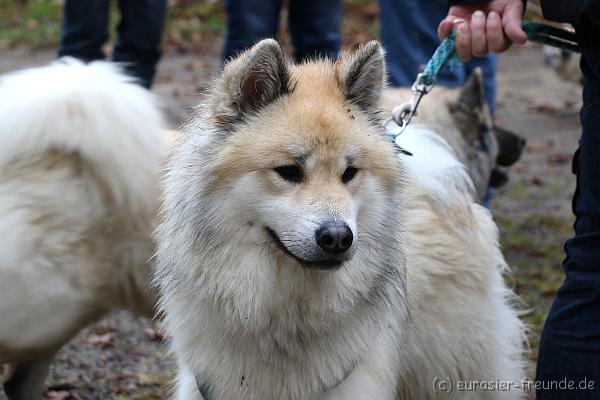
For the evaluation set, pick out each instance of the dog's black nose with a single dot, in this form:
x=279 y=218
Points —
x=522 y=143
x=334 y=237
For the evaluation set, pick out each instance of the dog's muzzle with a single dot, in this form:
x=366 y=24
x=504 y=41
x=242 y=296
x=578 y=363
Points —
x=333 y=241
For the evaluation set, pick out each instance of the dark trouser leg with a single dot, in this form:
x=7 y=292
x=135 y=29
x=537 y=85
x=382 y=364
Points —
x=570 y=342
x=248 y=21
x=139 y=35
x=315 y=28
x=84 y=29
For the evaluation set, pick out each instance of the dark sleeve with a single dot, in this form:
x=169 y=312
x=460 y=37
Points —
x=572 y=11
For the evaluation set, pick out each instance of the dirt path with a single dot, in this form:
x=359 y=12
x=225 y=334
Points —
x=122 y=357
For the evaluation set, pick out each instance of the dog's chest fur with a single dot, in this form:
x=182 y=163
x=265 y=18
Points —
x=287 y=346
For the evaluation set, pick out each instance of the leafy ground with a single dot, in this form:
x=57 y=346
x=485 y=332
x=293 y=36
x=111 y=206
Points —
x=123 y=358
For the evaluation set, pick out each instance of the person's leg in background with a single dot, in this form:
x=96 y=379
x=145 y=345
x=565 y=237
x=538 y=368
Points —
x=84 y=29
x=315 y=28
x=570 y=341
x=409 y=36
x=248 y=21
x=139 y=36
x=408 y=33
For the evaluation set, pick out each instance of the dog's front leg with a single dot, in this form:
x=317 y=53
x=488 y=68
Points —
x=186 y=387
x=363 y=384
x=374 y=378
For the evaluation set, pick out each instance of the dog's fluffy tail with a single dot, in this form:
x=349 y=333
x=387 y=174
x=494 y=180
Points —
x=92 y=110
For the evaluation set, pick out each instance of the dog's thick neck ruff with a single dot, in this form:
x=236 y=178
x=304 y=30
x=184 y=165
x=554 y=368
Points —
x=206 y=390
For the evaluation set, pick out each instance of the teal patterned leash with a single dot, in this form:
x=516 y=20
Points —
x=552 y=36
x=445 y=54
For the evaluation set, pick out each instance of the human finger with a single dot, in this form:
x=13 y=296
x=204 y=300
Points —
x=463 y=41
x=479 y=47
x=446 y=26
x=496 y=40
x=511 y=22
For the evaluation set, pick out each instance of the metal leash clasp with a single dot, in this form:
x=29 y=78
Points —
x=403 y=113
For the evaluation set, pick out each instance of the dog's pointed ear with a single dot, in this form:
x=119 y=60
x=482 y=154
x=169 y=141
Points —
x=470 y=112
x=362 y=77
x=251 y=81
x=471 y=96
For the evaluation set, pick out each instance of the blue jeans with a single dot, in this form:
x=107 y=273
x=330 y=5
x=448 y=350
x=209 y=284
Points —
x=85 y=30
x=314 y=26
x=409 y=35
x=570 y=342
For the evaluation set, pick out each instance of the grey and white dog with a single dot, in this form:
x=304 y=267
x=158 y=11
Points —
x=461 y=116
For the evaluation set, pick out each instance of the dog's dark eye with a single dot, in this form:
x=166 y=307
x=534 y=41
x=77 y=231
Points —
x=349 y=174
x=291 y=173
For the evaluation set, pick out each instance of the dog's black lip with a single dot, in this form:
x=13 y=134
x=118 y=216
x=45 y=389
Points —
x=326 y=264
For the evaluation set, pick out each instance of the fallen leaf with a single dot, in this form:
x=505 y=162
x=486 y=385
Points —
x=102 y=340
x=521 y=167
x=544 y=108
x=539 y=147
x=521 y=288
x=154 y=334
x=558 y=158
x=537 y=181
x=60 y=395
x=121 y=390
x=149 y=380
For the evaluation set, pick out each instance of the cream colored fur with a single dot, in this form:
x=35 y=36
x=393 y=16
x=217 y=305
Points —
x=422 y=295
x=79 y=168
x=454 y=271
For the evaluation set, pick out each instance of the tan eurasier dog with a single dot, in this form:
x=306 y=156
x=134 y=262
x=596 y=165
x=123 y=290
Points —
x=300 y=257
x=80 y=160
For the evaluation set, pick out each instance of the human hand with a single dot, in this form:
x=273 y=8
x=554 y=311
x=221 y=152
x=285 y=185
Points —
x=484 y=27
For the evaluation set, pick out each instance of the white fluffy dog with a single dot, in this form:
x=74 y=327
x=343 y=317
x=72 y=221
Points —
x=80 y=156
